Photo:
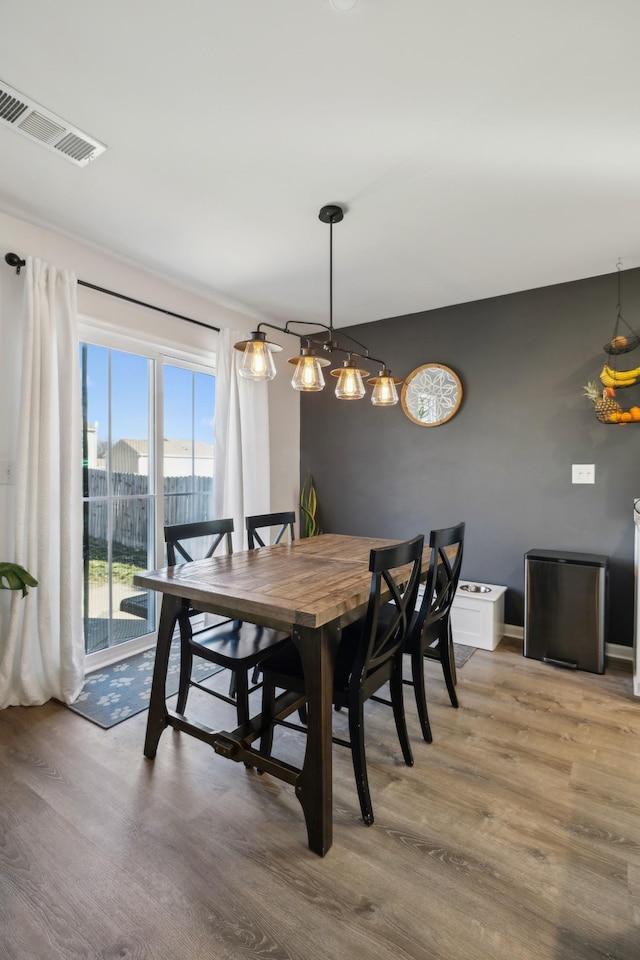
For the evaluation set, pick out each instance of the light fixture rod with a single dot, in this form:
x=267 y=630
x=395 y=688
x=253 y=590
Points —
x=319 y=343
x=331 y=277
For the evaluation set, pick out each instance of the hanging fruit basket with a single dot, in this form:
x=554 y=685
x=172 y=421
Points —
x=618 y=379
x=623 y=339
x=621 y=343
x=606 y=407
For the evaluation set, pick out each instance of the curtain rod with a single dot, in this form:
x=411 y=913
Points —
x=14 y=261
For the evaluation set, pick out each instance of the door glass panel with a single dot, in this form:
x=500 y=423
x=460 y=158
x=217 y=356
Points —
x=119 y=508
x=189 y=402
x=129 y=425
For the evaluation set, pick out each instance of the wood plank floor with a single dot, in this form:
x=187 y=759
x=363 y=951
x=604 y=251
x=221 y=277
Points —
x=516 y=835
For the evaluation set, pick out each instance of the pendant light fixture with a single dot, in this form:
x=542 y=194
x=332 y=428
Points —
x=384 y=389
x=308 y=376
x=257 y=360
x=350 y=385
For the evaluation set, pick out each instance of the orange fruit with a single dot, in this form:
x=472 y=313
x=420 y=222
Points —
x=614 y=417
x=635 y=413
x=625 y=417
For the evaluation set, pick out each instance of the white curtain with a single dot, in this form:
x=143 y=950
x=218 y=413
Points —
x=42 y=654
x=241 y=454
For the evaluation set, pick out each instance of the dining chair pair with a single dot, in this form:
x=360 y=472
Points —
x=371 y=651
x=231 y=645
x=429 y=636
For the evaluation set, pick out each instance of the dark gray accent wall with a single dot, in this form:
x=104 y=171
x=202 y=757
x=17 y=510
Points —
x=503 y=463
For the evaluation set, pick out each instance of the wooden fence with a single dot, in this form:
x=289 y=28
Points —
x=185 y=499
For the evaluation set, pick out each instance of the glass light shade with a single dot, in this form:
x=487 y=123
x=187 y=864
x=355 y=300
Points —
x=257 y=362
x=308 y=376
x=349 y=385
x=384 y=389
x=384 y=392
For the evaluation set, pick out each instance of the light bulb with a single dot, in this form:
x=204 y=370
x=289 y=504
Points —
x=350 y=385
x=257 y=362
x=384 y=392
x=308 y=376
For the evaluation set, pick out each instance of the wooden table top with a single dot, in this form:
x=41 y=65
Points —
x=309 y=582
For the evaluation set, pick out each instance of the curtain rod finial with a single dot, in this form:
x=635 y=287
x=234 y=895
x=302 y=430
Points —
x=14 y=261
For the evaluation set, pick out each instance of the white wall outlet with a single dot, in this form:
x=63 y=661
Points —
x=7 y=471
x=583 y=473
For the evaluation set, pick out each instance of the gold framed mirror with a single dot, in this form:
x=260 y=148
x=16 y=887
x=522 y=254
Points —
x=431 y=395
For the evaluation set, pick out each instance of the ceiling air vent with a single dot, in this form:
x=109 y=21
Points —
x=29 y=118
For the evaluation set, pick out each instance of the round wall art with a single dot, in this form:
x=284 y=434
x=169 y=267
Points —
x=431 y=394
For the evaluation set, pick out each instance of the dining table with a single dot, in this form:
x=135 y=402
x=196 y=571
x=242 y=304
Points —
x=310 y=588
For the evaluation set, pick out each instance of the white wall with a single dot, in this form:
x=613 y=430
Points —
x=23 y=238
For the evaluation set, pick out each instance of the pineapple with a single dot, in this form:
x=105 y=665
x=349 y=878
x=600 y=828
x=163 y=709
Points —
x=603 y=401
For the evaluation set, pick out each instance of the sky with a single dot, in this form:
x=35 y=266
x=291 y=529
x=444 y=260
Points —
x=189 y=397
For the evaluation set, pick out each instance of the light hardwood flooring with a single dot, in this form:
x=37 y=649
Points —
x=516 y=835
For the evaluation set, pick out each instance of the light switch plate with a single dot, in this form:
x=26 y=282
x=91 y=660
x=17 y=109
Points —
x=583 y=473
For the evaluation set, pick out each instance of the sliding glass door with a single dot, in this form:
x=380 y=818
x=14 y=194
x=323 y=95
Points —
x=147 y=427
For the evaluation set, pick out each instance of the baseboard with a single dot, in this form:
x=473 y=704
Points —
x=616 y=651
x=105 y=658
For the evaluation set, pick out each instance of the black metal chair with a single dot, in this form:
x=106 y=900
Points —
x=430 y=629
x=368 y=656
x=234 y=645
x=283 y=521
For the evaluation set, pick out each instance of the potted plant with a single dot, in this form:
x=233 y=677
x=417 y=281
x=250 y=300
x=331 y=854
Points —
x=15 y=577
x=308 y=507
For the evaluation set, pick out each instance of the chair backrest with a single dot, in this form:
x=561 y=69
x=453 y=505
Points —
x=283 y=521
x=383 y=637
x=179 y=536
x=442 y=576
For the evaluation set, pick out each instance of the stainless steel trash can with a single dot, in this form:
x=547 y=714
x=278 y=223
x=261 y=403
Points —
x=565 y=608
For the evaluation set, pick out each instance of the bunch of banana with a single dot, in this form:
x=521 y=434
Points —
x=619 y=378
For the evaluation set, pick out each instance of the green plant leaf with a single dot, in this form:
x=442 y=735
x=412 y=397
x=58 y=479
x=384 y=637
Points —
x=15 y=577
x=309 y=505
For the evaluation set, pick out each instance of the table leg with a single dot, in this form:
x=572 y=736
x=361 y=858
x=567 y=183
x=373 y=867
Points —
x=314 y=785
x=157 y=716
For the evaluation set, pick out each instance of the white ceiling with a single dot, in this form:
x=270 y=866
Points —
x=480 y=147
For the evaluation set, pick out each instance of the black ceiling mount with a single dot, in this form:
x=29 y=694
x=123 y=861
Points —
x=14 y=261
x=331 y=213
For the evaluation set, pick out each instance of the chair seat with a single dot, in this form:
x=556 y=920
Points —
x=285 y=666
x=234 y=641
